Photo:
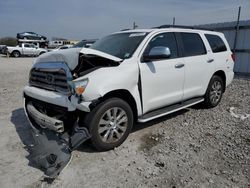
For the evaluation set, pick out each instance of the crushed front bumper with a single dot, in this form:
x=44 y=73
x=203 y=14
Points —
x=52 y=147
x=69 y=102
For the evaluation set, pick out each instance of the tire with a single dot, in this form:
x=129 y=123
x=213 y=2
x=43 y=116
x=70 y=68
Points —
x=104 y=127
x=214 y=92
x=16 y=54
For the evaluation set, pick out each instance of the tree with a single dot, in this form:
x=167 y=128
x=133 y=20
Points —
x=8 y=41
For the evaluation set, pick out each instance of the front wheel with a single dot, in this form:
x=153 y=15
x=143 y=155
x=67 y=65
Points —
x=214 y=92
x=109 y=123
x=16 y=54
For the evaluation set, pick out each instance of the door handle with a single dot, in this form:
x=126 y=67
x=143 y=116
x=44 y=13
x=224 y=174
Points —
x=180 y=65
x=210 y=60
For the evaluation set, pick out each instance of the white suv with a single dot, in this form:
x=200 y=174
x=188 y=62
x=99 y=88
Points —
x=128 y=76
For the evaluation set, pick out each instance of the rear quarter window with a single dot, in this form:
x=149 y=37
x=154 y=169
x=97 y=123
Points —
x=192 y=44
x=216 y=43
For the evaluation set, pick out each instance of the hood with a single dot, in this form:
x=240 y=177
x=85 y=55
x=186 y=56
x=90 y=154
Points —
x=89 y=51
x=71 y=56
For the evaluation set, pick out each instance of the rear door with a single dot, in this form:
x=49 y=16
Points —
x=162 y=80
x=221 y=55
x=199 y=64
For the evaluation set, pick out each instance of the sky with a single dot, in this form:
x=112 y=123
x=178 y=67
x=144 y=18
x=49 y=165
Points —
x=86 y=19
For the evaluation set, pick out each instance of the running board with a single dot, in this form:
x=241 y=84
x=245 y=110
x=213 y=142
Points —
x=169 y=109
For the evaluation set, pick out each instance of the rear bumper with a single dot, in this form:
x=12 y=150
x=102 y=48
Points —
x=229 y=77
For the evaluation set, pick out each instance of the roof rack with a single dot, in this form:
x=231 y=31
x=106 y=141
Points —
x=182 y=26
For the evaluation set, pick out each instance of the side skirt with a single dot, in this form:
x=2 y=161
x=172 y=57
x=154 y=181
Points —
x=169 y=109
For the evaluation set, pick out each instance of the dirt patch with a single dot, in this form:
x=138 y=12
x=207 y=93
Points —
x=148 y=141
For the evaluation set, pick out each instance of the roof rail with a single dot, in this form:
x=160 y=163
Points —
x=182 y=26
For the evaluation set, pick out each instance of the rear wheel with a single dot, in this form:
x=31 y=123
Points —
x=109 y=123
x=214 y=92
x=16 y=54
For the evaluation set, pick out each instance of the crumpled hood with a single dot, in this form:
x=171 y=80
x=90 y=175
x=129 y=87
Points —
x=71 y=56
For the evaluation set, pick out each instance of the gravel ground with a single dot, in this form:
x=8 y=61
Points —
x=192 y=148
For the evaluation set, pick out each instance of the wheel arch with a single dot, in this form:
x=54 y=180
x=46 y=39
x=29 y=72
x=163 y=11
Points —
x=15 y=51
x=42 y=52
x=222 y=75
x=122 y=94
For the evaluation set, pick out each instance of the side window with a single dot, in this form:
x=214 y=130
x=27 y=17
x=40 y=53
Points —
x=26 y=45
x=164 y=40
x=216 y=43
x=192 y=44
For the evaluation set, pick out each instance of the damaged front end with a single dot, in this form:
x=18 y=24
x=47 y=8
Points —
x=55 y=107
x=54 y=138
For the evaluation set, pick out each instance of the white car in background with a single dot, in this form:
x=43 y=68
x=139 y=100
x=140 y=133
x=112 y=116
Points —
x=62 y=47
x=25 y=49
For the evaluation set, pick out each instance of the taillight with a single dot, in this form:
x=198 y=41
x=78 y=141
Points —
x=233 y=56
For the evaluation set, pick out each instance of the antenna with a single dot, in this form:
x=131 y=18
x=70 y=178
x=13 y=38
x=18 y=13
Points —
x=173 y=21
x=135 y=26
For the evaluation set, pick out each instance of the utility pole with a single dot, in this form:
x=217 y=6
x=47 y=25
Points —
x=134 y=26
x=173 y=21
x=237 y=30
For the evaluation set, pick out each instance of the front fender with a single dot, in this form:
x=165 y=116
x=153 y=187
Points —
x=108 y=79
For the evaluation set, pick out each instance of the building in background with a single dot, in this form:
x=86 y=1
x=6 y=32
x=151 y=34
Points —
x=57 y=42
x=242 y=46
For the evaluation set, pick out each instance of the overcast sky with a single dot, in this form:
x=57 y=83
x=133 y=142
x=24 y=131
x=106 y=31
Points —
x=80 y=19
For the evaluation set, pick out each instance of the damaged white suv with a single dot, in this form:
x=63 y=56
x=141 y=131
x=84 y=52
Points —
x=129 y=76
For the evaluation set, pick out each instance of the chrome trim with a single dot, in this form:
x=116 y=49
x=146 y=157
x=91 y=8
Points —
x=53 y=67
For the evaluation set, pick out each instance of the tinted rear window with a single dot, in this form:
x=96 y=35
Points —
x=192 y=44
x=216 y=43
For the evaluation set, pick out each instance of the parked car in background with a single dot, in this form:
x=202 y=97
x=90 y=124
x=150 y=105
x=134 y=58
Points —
x=62 y=47
x=30 y=36
x=3 y=49
x=55 y=43
x=84 y=43
x=25 y=49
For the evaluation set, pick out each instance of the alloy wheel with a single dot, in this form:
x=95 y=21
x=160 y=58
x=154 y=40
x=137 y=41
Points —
x=215 y=92
x=112 y=125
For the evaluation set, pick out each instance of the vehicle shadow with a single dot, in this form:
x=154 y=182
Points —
x=24 y=131
x=10 y=57
x=87 y=147
x=18 y=118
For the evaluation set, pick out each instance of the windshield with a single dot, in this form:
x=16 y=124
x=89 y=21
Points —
x=121 y=45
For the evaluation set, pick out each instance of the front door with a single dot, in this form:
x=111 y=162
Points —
x=162 y=80
x=27 y=49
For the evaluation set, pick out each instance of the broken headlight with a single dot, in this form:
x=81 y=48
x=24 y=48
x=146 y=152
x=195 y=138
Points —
x=80 y=86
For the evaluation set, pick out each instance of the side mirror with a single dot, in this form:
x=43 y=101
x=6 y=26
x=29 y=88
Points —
x=157 y=53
